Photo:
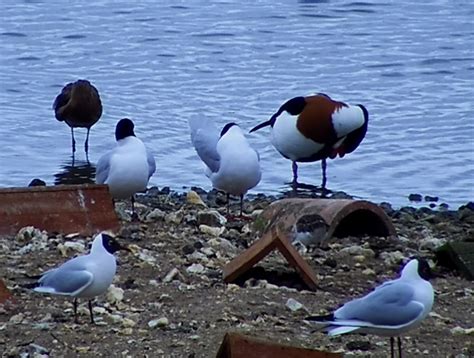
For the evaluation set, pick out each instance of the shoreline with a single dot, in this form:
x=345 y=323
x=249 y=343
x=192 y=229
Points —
x=173 y=302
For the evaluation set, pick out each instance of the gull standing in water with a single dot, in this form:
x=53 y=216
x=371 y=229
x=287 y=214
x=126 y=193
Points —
x=84 y=276
x=78 y=105
x=127 y=168
x=393 y=308
x=232 y=165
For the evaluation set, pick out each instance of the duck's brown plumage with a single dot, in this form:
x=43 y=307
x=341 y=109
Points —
x=315 y=121
x=78 y=104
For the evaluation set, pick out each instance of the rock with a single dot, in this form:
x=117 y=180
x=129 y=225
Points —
x=392 y=258
x=459 y=331
x=415 y=197
x=368 y=272
x=171 y=275
x=147 y=256
x=28 y=233
x=114 y=294
x=195 y=269
x=431 y=243
x=211 y=218
x=128 y=323
x=209 y=252
x=155 y=215
x=332 y=263
x=69 y=247
x=38 y=349
x=293 y=305
x=193 y=198
x=17 y=319
x=158 y=322
x=174 y=217
x=356 y=250
x=211 y=231
x=359 y=346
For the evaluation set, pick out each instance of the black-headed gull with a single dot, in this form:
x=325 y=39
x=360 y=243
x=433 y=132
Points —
x=78 y=105
x=232 y=165
x=127 y=168
x=84 y=276
x=390 y=310
x=316 y=127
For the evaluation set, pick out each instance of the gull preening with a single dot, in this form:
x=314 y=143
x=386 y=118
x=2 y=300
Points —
x=393 y=308
x=128 y=167
x=86 y=276
x=232 y=165
x=78 y=105
x=312 y=128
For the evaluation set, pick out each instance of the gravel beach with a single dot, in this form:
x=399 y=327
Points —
x=169 y=299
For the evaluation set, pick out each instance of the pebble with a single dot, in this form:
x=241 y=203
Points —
x=17 y=319
x=211 y=218
x=211 y=231
x=293 y=305
x=195 y=269
x=392 y=258
x=114 y=294
x=155 y=215
x=171 y=275
x=39 y=349
x=356 y=250
x=70 y=247
x=158 y=322
x=174 y=217
x=459 y=331
x=193 y=198
x=128 y=323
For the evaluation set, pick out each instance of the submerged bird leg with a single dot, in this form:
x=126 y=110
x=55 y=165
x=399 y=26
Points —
x=392 y=342
x=399 y=342
x=294 y=182
x=90 y=311
x=73 y=141
x=323 y=184
x=241 y=204
x=86 y=144
x=75 y=311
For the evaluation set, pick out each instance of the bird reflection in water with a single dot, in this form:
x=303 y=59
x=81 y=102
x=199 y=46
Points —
x=75 y=172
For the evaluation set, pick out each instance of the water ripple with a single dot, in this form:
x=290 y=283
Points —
x=162 y=64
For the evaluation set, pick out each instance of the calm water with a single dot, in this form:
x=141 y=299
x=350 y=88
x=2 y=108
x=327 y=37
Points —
x=410 y=63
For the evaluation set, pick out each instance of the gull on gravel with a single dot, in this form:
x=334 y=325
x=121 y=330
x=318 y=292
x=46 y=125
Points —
x=85 y=276
x=232 y=165
x=393 y=308
x=128 y=167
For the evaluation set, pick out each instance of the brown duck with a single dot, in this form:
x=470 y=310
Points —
x=79 y=106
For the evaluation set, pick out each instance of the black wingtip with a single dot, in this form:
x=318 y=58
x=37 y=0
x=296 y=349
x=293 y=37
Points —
x=325 y=318
x=30 y=285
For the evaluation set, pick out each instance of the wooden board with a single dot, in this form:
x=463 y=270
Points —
x=237 y=345
x=86 y=209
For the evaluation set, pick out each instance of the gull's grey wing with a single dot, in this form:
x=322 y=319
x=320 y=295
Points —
x=103 y=167
x=69 y=279
x=389 y=305
x=151 y=163
x=204 y=136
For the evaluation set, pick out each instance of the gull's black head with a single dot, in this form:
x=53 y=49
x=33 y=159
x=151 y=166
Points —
x=424 y=270
x=124 y=129
x=227 y=127
x=111 y=245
